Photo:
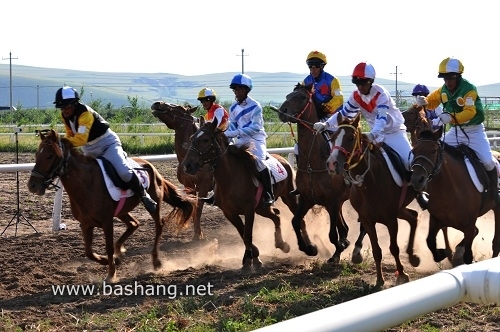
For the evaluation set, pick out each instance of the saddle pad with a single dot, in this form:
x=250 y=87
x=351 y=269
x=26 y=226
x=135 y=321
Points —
x=277 y=170
x=394 y=173
x=115 y=192
x=473 y=175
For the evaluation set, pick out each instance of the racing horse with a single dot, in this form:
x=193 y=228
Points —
x=415 y=121
x=93 y=206
x=314 y=182
x=374 y=194
x=237 y=193
x=434 y=159
x=181 y=120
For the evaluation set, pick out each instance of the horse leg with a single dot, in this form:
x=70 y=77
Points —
x=357 y=258
x=467 y=257
x=412 y=217
x=447 y=245
x=88 y=236
x=132 y=225
x=198 y=234
x=249 y=246
x=496 y=239
x=274 y=214
x=342 y=228
x=392 y=226
x=159 y=223
x=110 y=251
x=369 y=226
x=236 y=221
x=299 y=226
x=437 y=254
x=336 y=229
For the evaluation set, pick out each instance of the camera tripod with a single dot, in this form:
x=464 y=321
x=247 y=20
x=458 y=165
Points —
x=18 y=216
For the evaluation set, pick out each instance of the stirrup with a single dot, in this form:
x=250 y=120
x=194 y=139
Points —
x=267 y=201
x=294 y=192
x=149 y=203
x=423 y=200
x=209 y=199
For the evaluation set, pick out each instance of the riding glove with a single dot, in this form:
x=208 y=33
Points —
x=320 y=126
x=421 y=101
x=370 y=137
x=445 y=118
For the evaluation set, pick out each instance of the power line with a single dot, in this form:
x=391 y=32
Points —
x=10 y=73
x=242 y=61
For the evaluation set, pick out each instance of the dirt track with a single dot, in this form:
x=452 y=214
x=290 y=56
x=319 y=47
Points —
x=31 y=262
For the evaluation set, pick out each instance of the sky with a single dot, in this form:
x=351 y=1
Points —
x=194 y=37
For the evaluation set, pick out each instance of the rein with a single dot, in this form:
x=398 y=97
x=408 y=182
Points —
x=60 y=168
x=436 y=166
x=210 y=155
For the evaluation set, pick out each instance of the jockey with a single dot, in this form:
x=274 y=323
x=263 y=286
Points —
x=422 y=90
x=87 y=129
x=246 y=125
x=378 y=109
x=463 y=110
x=207 y=98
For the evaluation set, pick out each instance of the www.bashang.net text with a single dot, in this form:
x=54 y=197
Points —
x=136 y=289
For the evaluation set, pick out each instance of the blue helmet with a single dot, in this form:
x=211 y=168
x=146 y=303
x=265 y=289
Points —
x=420 y=90
x=241 y=80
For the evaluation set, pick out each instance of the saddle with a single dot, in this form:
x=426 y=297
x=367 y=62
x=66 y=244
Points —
x=397 y=162
x=113 y=175
x=461 y=151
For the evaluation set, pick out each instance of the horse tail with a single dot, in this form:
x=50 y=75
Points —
x=184 y=205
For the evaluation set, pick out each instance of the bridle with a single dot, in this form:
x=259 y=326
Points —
x=211 y=154
x=356 y=151
x=435 y=165
x=56 y=171
x=185 y=117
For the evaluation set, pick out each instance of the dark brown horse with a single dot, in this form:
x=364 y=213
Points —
x=180 y=119
x=92 y=205
x=415 y=121
x=447 y=206
x=374 y=194
x=314 y=182
x=236 y=191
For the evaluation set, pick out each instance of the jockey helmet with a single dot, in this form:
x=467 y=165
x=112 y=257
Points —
x=316 y=58
x=363 y=72
x=241 y=80
x=65 y=96
x=207 y=93
x=450 y=67
x=420 y=90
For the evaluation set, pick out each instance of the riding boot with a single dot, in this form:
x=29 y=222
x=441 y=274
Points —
x=295 y=191
x=136 y=186
x=493 y=177
x=267 y=195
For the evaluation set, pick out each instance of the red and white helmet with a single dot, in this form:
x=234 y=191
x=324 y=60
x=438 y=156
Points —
x=363 y=71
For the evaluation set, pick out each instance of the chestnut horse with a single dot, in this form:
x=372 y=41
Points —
x=180 y=119
x=374 y=194
x=236 y=191
x=434 y=159
x=92 y=205
x=314 y=182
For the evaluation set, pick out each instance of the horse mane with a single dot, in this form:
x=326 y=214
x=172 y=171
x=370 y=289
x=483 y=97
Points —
x=241 y=153
x=74 y=151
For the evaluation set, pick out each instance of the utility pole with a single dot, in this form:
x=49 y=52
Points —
x=242 y=61
x=397 y=91
x=10 y=68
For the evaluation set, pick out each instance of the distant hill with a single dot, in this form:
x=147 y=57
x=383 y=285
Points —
x=35 y=87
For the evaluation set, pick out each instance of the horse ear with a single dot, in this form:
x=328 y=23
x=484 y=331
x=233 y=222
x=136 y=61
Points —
x=356 y=120
x=202 y=121
x=191 y=109
x=439 y=132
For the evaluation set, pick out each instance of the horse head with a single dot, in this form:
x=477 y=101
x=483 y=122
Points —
x=348 y=142
x=172 y=115
x=298 y=106
x=428 y=153
x=415 y=121
x=205 y=147
x=49 y=162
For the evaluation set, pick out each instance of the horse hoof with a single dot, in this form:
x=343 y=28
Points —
x=285 y=247
x=156 y=264
x=335 y=259
x=357 y=259
x=246 y=269
x=402 y=278
x=310 y=250
x=414 y=260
